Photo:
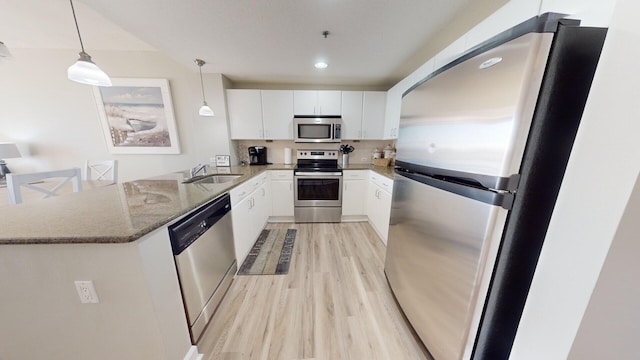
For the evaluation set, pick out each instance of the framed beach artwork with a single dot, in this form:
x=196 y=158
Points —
x=137 y=116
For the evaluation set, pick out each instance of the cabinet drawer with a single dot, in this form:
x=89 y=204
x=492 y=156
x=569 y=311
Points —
x=382 y=181
x=281 y=174
x=355 y=174
x=239 y=193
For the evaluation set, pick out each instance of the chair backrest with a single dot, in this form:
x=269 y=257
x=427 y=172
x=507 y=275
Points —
x=101 y=170
x=34 y=181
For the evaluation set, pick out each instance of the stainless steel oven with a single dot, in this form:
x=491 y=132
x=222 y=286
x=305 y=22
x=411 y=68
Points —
x=318 y=186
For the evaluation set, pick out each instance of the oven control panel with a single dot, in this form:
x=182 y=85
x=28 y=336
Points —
x=318 y=154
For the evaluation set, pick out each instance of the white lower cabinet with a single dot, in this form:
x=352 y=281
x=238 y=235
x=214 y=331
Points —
x=250 y=208
x=354 y=191
x=282 y=195
x=379 y=204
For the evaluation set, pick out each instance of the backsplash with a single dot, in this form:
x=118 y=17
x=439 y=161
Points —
x=363 y=152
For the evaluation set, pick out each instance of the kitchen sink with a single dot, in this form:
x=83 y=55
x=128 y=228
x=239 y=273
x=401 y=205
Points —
x=212 y=179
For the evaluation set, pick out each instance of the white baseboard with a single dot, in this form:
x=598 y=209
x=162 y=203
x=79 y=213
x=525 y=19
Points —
x=193 y=354
x=354 y=218
x=281 y=219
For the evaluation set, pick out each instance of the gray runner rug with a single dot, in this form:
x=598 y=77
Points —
x=271 y=254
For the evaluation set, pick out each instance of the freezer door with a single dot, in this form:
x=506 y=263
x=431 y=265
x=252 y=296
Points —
x=436 y=256
x=475 y=116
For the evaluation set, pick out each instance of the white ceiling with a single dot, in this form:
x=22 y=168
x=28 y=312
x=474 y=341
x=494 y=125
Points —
x=250 y=41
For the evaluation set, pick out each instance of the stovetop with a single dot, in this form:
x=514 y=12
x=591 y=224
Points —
x=318 y=160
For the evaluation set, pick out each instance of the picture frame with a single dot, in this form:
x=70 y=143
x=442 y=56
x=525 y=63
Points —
x=223 y=160
x=137 y=116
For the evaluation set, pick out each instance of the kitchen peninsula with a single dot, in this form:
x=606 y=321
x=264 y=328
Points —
x=116 y=237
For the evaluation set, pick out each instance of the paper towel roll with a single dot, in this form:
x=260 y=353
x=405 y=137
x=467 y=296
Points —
x=287 y=156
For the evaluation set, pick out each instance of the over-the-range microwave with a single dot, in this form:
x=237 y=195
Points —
x=317 y=129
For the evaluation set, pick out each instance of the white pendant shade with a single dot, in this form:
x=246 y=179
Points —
x=205 y=110
x=85 y=71
x=4 y=51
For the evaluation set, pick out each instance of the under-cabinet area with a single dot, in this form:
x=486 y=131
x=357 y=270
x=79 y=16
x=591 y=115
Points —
x=270 y=197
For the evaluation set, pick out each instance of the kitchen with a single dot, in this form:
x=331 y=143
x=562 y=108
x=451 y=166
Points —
x=77 y=103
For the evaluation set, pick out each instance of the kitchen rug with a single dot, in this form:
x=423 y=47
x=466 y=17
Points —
x=271 y=254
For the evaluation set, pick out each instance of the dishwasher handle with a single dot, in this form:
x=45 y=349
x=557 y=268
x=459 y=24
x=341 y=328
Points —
x=187 y=230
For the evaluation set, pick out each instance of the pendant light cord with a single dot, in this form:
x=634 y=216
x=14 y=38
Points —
x=77 y=28
x=200 y=63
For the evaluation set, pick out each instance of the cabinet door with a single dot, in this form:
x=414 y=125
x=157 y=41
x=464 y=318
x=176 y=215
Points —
x=242 y=229
x=392 y=113
x=282 y=192
x=384 y=200
x=329 y=102
x=353 y=197
x=305 y=102
x=372 y=203
x=373 y=114
x=262 y=207
x=351 y=115
x=277 y=114
x=245 y=114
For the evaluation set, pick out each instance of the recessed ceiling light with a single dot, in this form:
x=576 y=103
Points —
x=321 y=65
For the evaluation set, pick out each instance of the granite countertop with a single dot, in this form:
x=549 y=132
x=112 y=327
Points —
x=385 y=171
x=123 y=212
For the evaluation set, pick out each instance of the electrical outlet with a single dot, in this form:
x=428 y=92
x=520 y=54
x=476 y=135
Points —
x=364 y=159
x=87 y=292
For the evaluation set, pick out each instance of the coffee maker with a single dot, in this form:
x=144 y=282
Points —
x=257 y=155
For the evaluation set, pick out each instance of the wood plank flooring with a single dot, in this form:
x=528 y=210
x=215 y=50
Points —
x=334 y=304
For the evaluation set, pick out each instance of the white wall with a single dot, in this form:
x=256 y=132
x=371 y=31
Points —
x=611 y=323
x=57 y=119
x=600 y=176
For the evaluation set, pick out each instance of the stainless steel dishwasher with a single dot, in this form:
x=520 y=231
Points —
x=204 y=254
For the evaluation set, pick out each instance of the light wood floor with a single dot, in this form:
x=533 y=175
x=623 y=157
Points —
x=334 y=304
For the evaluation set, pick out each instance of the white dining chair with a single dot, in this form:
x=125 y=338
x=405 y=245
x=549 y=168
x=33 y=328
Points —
x=101 y=170
x=36 y=181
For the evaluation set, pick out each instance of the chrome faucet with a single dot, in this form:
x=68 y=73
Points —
x=195 y=170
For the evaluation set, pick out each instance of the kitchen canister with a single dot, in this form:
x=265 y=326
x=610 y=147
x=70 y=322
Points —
x=287 y=156
x=345 y=160
x=387 y=151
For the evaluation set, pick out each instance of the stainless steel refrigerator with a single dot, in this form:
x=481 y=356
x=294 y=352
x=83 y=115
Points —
x=481 y=152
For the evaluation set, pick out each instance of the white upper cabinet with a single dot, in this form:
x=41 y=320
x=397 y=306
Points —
x=317 y=102
x=352 y=114
x=373 y=114
x=260 y=114
x=245 y=114
x=277 y=114
x=363 y=115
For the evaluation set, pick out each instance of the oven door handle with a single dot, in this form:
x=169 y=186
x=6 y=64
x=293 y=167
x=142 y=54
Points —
x=317 y=174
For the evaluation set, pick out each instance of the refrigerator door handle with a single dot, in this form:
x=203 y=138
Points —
x=502 y=199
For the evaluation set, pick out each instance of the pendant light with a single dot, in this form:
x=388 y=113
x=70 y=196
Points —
x=4 y=51
x=205 y=110
x=84 y=70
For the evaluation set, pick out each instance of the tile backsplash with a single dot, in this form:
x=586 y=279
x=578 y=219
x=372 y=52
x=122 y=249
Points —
x=363 y=152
